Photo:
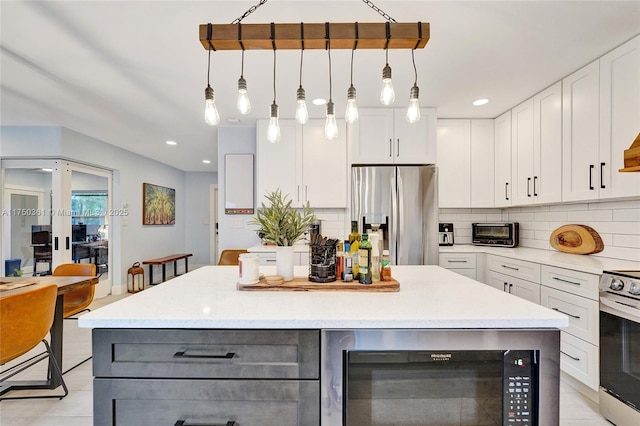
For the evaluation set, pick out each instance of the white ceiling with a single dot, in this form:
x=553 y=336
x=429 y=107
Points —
x=133 y=73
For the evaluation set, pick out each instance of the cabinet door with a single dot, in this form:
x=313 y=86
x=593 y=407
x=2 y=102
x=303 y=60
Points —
x=454 y=163
x=373 y=137
x=619 y=118
x=482 y=163
x=415 y=143
x=525 y=290
x=502 y=146
x=580 y=134
x=324 y=166
x=279 y=164
x=498 y=280
x=522 y=152
x=547 y=142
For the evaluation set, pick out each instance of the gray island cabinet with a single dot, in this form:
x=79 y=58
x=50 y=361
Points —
x=197 y=351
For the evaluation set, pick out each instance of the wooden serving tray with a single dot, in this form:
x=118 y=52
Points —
x=576 y=239
x=303 y=284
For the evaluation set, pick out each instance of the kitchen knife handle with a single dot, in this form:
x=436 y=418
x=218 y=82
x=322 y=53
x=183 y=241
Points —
x=528 y=187
x=535 y=192
x=602 y=175
x=591 y=188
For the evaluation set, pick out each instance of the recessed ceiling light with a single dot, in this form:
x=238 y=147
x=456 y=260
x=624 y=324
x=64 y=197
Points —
x=172 y=143
x=480 y=102
x=206 y=161
x=319 y=101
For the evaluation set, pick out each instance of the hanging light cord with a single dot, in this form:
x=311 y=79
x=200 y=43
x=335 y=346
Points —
x=301 y=56
x=242 y=65
x=329 y=52
x=415 y=70
x=209 y=67
x=386 y=55
x=352 y=50
x=274 y=76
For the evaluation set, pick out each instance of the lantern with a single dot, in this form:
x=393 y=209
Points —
x=136 y=282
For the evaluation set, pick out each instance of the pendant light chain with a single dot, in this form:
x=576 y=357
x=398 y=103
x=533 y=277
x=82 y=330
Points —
x=249 y=12
x=380 y=11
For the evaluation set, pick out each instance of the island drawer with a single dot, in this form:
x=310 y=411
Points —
x=457 y=260
x=583 y=313
x=516 y=268
x=153 y=402
x=580 y=359
x=241 y=354
x=576 y=282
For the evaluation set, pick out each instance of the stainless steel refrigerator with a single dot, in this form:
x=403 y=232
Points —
x=404 y=200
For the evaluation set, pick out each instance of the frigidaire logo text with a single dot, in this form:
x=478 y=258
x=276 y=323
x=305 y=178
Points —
x=440 y=357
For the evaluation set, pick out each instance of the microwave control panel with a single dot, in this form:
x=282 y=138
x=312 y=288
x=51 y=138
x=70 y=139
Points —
x=519 y=388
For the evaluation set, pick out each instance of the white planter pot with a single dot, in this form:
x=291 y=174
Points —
x=284 y=262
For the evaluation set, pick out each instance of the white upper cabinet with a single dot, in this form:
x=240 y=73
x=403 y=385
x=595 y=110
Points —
x=482 y=163
x=383 y=136
x=522 y=153
x=454 y=163
x=547 y=145
x=502 y=150
x=580 y=134
x=303 y=164
x=619 y=117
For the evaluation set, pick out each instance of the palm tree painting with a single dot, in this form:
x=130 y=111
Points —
x=158 y=205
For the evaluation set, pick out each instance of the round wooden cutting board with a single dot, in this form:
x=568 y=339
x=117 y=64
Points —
x=576 y=239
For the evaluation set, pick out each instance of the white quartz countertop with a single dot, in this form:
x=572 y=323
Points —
x=579 y=262
x=429 y=297
x=297 y=248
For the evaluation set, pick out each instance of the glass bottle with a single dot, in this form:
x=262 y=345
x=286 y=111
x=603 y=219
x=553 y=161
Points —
x=339 y=259
x=365 y=270
x=354 y=241
x=385 y=266
x=375 y=256
x=347 y=267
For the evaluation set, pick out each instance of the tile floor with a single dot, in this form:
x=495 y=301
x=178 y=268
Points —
x=77 y=408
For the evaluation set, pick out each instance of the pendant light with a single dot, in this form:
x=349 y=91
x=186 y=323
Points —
x=211 y=116
x=273 y=129
x=243 y=104
x=351 y=113
x=330 y=125
x=387 y=94
x=413 y=112
x=302 y=115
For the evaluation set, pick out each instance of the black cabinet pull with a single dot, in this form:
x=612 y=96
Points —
x=506 y=190
x=398 y=153
x=504 y=286
x=510 y=287
x=390 y=146
x=602 y=175
x=590 y=177
x=456 y=261
x=67 y=242
x=535 y=191
x=566 y=313
x=565 y=281
x=183 y=354
x=510 y=267
x=528 y=187
x=184 y=423
x=55 y=243
x=572 y=357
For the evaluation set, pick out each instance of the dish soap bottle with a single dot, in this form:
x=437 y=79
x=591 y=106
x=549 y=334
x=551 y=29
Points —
x=365 y=272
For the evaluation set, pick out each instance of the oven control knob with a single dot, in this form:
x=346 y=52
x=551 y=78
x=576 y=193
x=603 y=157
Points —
x=616 y=284
x=634 y=288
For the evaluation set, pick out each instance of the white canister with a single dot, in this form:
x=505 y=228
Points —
x=248 y=268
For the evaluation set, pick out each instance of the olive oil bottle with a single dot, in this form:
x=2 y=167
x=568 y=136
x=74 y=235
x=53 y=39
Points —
x=366 y=272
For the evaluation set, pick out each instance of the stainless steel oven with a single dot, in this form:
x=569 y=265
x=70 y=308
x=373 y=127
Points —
x=440 y=377
x=620 y=347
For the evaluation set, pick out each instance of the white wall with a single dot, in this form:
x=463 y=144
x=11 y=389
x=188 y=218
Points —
x=617 y=222
x=197 y=216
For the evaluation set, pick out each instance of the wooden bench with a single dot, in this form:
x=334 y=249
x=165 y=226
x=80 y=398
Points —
x=163 y=261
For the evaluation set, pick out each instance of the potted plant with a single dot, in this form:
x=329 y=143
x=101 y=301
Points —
x=283 y=225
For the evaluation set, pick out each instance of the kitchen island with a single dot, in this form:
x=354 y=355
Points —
x=174 y=349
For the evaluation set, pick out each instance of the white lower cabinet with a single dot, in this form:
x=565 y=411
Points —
x=460 y=263
x=518 y=287
x=575 y=294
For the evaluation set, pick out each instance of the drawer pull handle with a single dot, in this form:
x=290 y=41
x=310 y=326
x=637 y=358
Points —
x=565 y=281
x=457 y=261
x=270 y=260
x=572 y=357
x=510 y=267
x=504 y=286
x=184 y=423
x=182 y=354
x=566 y=313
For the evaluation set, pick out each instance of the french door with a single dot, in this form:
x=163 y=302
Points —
x=56 y=211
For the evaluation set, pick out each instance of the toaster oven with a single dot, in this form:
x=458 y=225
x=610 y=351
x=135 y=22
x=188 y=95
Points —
x=504 y=234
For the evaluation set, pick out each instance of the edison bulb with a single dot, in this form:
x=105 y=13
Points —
x=387 y=95
x=330 y=125
x=244 y=105
x=211 y=116
x=351 y=113
x=273 y=129
x=302 y=115
x=413 y=112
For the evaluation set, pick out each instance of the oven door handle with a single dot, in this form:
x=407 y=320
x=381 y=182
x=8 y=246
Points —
x=629 y=310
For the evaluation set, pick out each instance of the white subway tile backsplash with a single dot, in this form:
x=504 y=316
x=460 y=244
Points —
x=627 y=228
x=548 y=216
x=625 y=253
x=632 y=241
x=618 y=205
x=626 y=215
x=494 y=217
x=568 y=207
x=590 y=215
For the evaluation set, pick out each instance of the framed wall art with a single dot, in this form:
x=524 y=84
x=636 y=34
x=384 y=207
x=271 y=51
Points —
x=158 y=205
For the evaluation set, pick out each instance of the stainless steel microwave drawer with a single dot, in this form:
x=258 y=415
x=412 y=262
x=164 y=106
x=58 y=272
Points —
x=152 y=402
x=243 y=354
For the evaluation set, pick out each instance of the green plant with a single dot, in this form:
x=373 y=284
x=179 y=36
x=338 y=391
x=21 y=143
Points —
x=17 y=272
x=280 y=223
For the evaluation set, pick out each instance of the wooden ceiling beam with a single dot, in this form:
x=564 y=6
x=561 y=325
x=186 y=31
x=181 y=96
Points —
x=314 y=36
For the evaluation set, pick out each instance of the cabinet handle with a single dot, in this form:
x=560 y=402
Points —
x=390 y=146
x=298 y=192
x=184 y=423
x=572 y=357
x=306 y=193
x=398 y=152
x=535 y=192
x=565 y=281
x=590 y=177
x=270 y=260
x=55 y=243
x=566 y=313
x=510 y=287
x=183 y=354
x=510 y=267
x=506 y=191
x=456 y=261
x=504 y=286
x=528 y=187
x=602 y=175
